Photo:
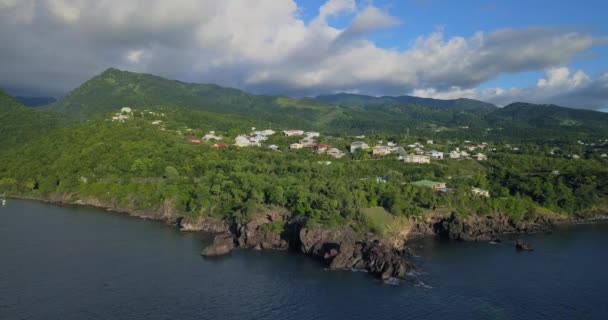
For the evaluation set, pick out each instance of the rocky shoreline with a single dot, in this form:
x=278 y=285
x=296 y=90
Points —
x=335 y=248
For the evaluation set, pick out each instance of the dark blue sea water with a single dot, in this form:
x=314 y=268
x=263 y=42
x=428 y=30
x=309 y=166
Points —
x=82 y=263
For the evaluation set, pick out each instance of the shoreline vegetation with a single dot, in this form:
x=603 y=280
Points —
x=387 y=258
x=343 y=178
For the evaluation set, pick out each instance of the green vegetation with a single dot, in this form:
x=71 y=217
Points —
x=275 y=227
x=140 y=165
x=377 y=220
x=338 y=114
x=19 y=124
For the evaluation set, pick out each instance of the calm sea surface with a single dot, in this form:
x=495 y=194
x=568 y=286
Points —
x=82 y=263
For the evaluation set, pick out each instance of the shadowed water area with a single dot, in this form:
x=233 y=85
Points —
x=84 y=263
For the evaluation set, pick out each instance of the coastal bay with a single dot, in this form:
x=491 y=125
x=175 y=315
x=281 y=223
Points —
x=79 y=262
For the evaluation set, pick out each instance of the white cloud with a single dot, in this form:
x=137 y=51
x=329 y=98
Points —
x=334 y=7
x=372 y=18
x=134 y=56
x=264 y=46
x=558 y=86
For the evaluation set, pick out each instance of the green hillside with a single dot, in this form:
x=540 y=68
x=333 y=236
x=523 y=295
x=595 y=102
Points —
x=114 y=89
x=549 y=121
x=144 y=166
x=19 y=123
x=356 y=100
x=339 y=114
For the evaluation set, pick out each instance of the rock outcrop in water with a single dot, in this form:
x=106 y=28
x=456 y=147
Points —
x=222 y=245
x=522 y=246
x=338 y=249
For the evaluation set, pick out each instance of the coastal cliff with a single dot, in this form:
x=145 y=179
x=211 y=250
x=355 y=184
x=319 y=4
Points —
x=479 y=228
x=336 y=248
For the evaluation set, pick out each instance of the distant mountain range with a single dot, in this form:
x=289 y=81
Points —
x=334 y=114
x=357 y=100
x=36 y=101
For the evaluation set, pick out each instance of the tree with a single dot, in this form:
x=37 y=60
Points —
x=171 y=173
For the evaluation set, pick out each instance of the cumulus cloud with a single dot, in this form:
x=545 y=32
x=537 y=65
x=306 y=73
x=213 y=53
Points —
x=558 y=86
x=264 y=46
x=334 y=7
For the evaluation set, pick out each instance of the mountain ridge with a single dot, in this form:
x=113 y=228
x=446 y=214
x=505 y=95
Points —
x=362 y=100
x=342 y=113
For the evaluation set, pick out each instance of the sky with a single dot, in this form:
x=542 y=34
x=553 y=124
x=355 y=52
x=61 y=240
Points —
x=498 y=51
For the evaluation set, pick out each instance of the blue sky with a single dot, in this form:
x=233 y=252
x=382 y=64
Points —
x=498 y=51
x=464 y=18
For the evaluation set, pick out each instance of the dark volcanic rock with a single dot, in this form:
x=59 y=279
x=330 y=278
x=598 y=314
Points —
x=521 y=245
x=222 y=245
x=253 y=235
x=340 y=250
x=483 y=228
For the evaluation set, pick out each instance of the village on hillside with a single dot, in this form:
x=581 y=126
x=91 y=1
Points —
x=419 y=153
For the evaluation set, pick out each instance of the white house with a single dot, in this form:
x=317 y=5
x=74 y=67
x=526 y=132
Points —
x=120 y=117
x=358 y=145
x=126 y=110
x=480 y=192
x=435 y=154
x=293 y=132
x=211 y=136
x=313 y=134
x=273 y=147
x=157 y=122
x=296 y=146
x=245 y=141
x=480 y=157
x=308 y=142
x=258 y=138
x=268 y=132
x=335 y=152
x=414 y=158
x=454 y=155
x=381 y=150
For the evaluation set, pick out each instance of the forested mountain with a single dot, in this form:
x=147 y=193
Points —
x=336 y=114
x=548 y=121
x=114 y=89
x=356 y=100
x=19 y=123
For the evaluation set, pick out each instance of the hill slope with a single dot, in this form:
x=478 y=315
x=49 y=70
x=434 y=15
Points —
x=19 y=123
x=334 y=114
x=114 y=89
x=356 y=100
x=550 y=119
